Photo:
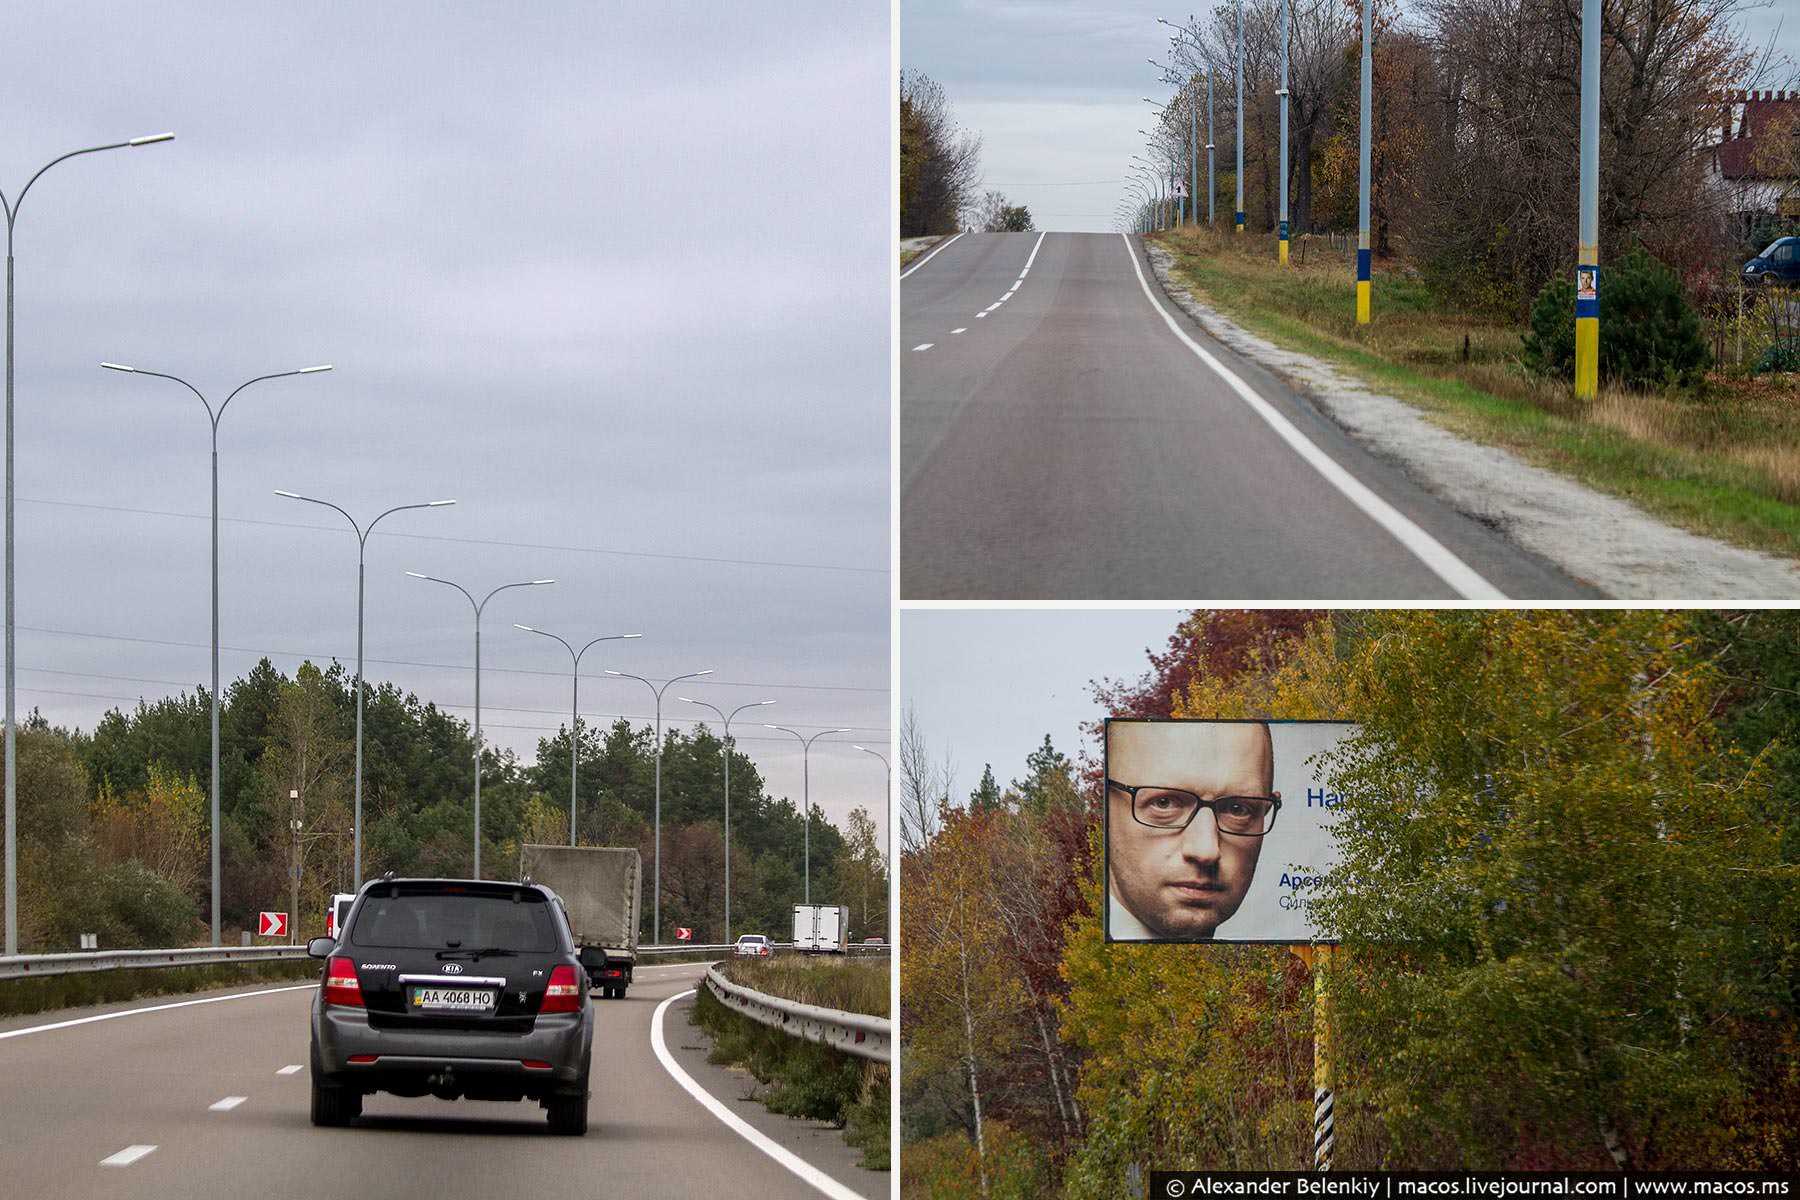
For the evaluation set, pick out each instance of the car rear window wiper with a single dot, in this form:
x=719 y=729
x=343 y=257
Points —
x=474 y=952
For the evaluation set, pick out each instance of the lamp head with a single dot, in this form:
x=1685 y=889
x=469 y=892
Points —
x=119 y=367
x=151 y=138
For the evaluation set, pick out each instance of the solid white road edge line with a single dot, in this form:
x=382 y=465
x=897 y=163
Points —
x=1034 y=249
x=927 y=257
x=227 y=1104
x=126 y=1157
x=131 y=1012
x=1428 y=550
x=787 y=1158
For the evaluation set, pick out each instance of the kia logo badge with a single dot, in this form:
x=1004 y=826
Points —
x=453 y=968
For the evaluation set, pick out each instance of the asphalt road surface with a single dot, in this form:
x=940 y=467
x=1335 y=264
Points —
x=71 y=1098
x=1067 y=433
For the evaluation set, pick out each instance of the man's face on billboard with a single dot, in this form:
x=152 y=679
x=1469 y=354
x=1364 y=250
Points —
x=1182 y=884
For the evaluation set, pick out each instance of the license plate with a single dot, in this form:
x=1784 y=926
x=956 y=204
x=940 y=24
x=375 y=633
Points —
x=431 y=999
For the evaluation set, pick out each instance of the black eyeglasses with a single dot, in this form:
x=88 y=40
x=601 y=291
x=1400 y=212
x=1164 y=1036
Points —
x=1175 y=809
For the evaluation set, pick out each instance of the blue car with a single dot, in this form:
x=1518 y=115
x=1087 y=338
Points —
x=1780 y=263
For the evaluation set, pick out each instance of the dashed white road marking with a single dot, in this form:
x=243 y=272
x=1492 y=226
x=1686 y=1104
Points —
x=925 y=346
x=227 y=1104
x=1436 y=557
x=290 y=1069
x=126 y=1157
x=980 y=315
x=964 y=329
x=787 y=1158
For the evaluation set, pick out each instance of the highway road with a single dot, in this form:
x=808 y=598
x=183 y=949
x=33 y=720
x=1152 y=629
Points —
x=73 y=1098
x=1067 y=433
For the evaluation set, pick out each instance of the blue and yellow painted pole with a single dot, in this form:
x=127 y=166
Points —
x=1587 y=261
x=1363 y=159
x=1283 y=93
x=1238 y=218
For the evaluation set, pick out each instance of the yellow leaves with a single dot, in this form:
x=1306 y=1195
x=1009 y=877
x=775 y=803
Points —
x=164 y=826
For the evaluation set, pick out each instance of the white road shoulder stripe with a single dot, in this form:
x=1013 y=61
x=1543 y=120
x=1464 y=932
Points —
x=126 y=1157
x=132 y=1012
x=1427 y=549
x=927 y=257
x=787 y=1158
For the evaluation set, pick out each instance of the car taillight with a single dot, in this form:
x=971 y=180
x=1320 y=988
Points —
x=563 y=993
x=341 y=984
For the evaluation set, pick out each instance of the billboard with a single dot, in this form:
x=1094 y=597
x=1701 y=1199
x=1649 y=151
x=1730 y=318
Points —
x=1217 y=831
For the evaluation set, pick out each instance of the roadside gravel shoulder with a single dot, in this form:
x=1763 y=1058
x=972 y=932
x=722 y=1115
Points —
x=1607 y=542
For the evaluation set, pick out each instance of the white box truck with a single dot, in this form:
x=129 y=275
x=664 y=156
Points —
x=821 y=928
x=601 y=887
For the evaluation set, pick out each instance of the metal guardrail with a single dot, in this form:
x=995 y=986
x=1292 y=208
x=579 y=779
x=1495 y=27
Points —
x=26 y=966
x=853 y=1033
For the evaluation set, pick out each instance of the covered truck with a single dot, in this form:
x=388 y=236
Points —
x=601 y=887
x=821 y=928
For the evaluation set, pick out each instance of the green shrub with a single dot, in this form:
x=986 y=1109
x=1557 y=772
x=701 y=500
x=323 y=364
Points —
x=1649 y=335
x=1782 y=356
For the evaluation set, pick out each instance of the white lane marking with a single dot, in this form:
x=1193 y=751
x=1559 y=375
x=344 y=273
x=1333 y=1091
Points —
x=927 y=257
x=980 y=315
x=1033 y=258
x=130 y=1012
x=787 y=1158
x=1428 y=550
x=925 y=346
x=991 y=307
x=126 y=1157
x=1015 y=287
x=290 y=1069
x=964 y=329
x=227 y=1104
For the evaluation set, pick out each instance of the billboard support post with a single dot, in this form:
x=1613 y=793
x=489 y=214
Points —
x=1319 y=959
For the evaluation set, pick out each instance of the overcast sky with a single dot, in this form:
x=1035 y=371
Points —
x=614 y=278
x=986 y=685
x=1055 y=88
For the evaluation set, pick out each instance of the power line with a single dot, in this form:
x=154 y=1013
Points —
x=316 y=656
x=427 y=537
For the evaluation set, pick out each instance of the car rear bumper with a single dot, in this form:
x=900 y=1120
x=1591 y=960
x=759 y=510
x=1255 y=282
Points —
x=457 y=1062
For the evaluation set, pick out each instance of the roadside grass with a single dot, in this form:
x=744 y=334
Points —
x=805 y=1079
x=911 y=248
x=1723 y=462
x=47 y=993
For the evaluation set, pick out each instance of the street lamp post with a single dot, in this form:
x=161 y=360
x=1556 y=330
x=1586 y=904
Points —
x=806 y=794
x=726 y=719
x=362 y=545
x=214 y=417
x=887 y=817
x=476 y=874
x=1364 y=259
x=12 y=775
x=1587 y=258
x=656 y=885
x=575 y=704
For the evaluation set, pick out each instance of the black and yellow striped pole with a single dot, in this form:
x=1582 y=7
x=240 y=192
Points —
x=1587 y=262
x=1319 y=958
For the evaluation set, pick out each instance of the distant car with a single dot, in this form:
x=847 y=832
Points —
x=1780 y=263
x=334 y=916
x=874 y=941
x=452 y=988
x=753 y=945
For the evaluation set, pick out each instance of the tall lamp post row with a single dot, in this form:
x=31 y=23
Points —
x=11 y=819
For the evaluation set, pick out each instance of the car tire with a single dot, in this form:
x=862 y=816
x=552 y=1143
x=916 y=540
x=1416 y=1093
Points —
x=335 y=1105
x=568 y=1115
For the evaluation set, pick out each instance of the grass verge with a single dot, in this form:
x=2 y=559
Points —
x=50 y=992
x=805 y=1079
x=1724 y=462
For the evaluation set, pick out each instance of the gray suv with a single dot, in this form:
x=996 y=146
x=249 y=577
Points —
x=452 y=988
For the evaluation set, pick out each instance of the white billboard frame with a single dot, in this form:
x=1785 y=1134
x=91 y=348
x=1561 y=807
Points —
x=1303 y=858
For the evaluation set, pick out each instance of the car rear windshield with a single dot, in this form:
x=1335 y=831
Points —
x=439 y=920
